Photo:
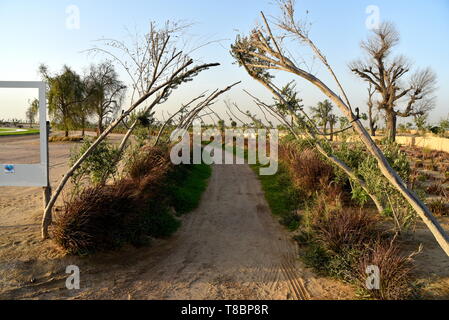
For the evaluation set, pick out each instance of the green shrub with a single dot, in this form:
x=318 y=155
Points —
x=159 y=222
x=186 y=186
x=316 y=257
x=101 y=162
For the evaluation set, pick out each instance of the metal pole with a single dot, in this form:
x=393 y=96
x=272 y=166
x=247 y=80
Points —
x=47 y=188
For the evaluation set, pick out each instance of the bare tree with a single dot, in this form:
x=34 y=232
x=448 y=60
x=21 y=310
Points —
x=262 y=51
x=157 y=68
x=210 y=100
x=167 y=122
x=398 y=97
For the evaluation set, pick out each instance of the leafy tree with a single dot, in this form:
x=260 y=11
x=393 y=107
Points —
x=106 y=93
x=221 y=125
x=322 y=113
x=32 y=111
x=65 y=96
x=444 y=125
x=421 y=122
x=292 y=102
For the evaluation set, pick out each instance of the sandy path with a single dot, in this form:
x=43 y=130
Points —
x=229 y=248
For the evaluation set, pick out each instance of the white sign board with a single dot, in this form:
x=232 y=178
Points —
x=29 y=175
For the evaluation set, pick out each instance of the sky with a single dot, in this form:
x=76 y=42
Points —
x=35 y=32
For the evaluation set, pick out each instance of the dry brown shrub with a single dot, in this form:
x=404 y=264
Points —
x=65 y=139
x=308 y=170
x=96 y=219
x=345 y=228
x=439 y=207
x=437 y=189
x=105 y=217
x=150 y=158
x=395 y=270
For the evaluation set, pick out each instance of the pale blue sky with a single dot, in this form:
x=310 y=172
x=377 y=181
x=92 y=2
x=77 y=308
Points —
x=34 y=32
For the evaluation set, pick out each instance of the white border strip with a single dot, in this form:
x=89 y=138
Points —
x=29 y=175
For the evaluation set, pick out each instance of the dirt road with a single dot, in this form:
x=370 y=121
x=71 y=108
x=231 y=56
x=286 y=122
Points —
x=231 y=247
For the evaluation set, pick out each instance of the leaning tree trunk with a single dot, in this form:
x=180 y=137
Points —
x=386 y=169
x=330 y=157
x=176 y=77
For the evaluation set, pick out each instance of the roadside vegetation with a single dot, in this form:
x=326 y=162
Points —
x=15 y=132
x=336 y=226
x=141 y=203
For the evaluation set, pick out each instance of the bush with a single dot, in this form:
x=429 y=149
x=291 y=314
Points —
x=308 y=171
x=344 y=229
x=316 y=257
x=99 y=164
x=65 y=139
x=131 y=210
x=100 y=218
x=342 y=243
x=395 y=271
x=438 y=207
x=141 y=160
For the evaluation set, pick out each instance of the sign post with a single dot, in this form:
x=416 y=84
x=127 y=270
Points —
x=30 y=175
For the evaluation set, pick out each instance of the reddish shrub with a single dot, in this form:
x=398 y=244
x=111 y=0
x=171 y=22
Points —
x=395 y=270
x=96 y=219
x=308 y=170
x=105 y=217
x=344 y=229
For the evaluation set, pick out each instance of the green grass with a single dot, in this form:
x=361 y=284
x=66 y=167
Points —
x=187 y=185
x=281 y=196
x=4 y=132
